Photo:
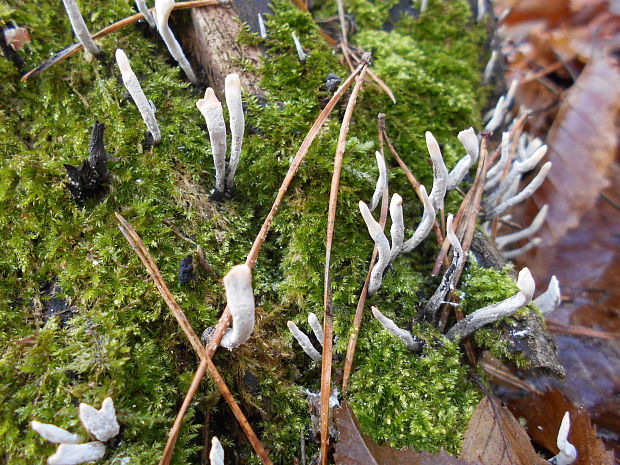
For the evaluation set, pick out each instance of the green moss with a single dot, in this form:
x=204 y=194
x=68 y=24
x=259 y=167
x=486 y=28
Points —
x=122 y=341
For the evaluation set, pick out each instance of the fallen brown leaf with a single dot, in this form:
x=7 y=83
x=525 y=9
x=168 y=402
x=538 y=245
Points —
x=356 y=448
x=544 y=413
x=495 y=437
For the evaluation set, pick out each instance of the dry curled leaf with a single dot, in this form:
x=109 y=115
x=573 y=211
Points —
x=495 y=437
x=356 y=448
x=544 y=413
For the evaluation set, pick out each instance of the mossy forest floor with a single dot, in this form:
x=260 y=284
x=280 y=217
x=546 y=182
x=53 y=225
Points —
x=118 y=338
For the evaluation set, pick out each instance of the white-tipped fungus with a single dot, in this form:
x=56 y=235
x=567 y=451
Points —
x=79 y=27
x=549 y=300
x=490 y=66
x=514 y=253
x=240 y=300
x=382 y=182
x=100 y=423
x=74 y=454
x=300 y=51
x=404 y=335
x=510 y=95
x=211 y=109
x=304 y=341
x=502 y=241
x=397 y=230
x=568 y=452
x=317 y=329
x=216 y=456
x=425 y=226
x=498 y=116
x=54 y=433
x=137 y=94
x=383 y=246
x=148 y=17
x=262 y=31
x=232 y=91
x=494 y=174
x=482 y=10
x=163 y=8
x=495 y=312
x=440 y=173
x=469 y=140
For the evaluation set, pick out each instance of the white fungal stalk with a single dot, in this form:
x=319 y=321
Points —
x=79 y=27
x=498 y=116
x=74 y=454
x=304 y=341
x=502 y=241
x=440 y=173
x=382 y=181
x=494 y=174
x=216 y=456
x=514 y=253
x=240 y=300
x=163 y=8
x=469 y=140
x=490 y=66
x=495 y=312
x=397 y=230
x=551 y=299
x=262 y=30
x=390 y=326
x=317 y=329
x=100 y=423
x=55 y=434
x=568 y=452
x=300 y=51
x=137 y=94
x=383 y=246
x=211 y=109
x=144 y=9
x=425 y=226
x=232 y=91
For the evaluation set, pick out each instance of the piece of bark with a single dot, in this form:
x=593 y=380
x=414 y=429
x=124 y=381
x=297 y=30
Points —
x=211 y=39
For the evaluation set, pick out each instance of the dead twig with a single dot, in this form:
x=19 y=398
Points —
x=326 y=361
x=75 y=48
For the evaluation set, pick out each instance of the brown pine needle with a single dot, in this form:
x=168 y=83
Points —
x=138 y=246
x=253 y=255
x=359 y=311
x=326 y=361
x=74 y=48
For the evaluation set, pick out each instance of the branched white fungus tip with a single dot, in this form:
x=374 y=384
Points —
x=537 y=222
x=469 y=140
x=549 y=300
x=397 y=230
x=526 y=283
x=216 y=456
x=54 y=433
x=498 y=115
x=232 y=91
x=568 y=452
x=440 y=172
x=211 y=109
x=391 y=327
x=100 y=423
x=317 y=329
x=382 y=181
x=425 y=226
x=304 y=341
x=514 y=253
x=144 y=9
x=74 y=454
x=240 y=300
x=383 y=246
x=79 y=27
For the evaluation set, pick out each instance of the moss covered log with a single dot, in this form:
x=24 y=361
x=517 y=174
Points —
x=79 y=318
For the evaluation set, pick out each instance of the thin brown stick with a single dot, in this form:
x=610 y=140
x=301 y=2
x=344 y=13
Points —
x=74 y=48
x=256 y=246
x=326 y=361
x=138 y=246
x=359 y=311
x=377 y=79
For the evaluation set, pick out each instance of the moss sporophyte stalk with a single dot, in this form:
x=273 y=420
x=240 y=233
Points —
x=118 y=339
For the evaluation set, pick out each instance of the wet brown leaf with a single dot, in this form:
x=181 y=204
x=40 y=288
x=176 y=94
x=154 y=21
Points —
x=356 y=448
x=544 y=413
x=495 y=437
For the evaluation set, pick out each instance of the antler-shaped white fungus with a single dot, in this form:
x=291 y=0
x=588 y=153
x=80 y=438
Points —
x=144 y=9
x=216 y=456
x=568 y=452
x=549 y=300
x=55 y=434
x=397 y=230
x=163 y=8
x=100 y=423
x=211 y=109
x=469 y=140
x=137 y=94
x=382 y=181
x=502 y=241
x=514 y=253
x=498 y=115
x=300 y=50
x=304 y=341
x=74 y=454
x=495 y=312
x=425 y=226
x=404 y=335
x=232 y=91
x=317 y=329
x=383 y=246
x=79 y=27
x=494 y=174
x=440 y=172
x=240 y=300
